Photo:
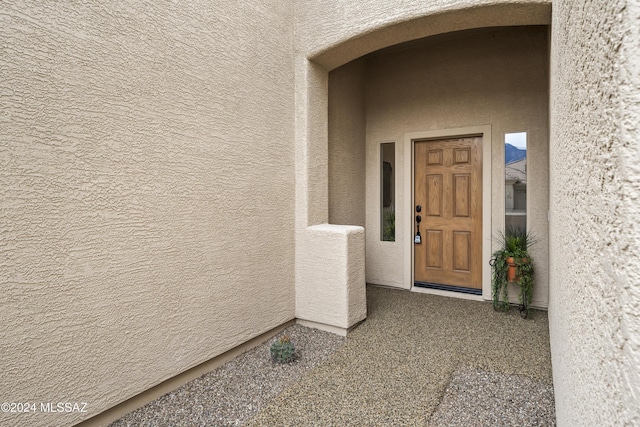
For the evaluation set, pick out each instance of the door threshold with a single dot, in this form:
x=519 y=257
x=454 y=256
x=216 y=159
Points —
x=449 y=288
x=448 y=294
x=460 y=295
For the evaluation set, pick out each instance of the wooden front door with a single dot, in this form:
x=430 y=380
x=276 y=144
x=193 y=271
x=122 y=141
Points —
x=448 y=189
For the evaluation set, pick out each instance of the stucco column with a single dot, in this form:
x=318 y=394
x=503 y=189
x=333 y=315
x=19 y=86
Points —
x=312 y=183
x=330 y=281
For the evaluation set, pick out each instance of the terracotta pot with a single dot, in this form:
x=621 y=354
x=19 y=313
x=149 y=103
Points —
x=511 y=272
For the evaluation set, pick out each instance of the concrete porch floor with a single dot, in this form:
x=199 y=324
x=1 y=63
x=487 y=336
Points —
x=417 y=360
x=427 y=360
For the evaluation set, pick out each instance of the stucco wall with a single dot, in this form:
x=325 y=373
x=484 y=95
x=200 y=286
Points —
x=497 y=77
x=146 y=192
x=146 y=184
x=346 y=144
x=595 y=215
x=334 y=32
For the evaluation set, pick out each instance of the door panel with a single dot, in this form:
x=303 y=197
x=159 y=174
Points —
x=461 y=195
x=434 y=195
x=434 y=157
x=448 y=185
x=461 y=251
x=434 y=247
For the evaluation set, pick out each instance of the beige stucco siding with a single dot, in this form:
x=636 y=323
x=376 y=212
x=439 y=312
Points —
x=146 y=192
x=595 y=215
x=496 y=77
x=346 y=144
x=334 y=32
x=331 y=291
x=158 y=160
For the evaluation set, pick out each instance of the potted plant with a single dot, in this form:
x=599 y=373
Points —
x=512 y=263
x=389 y=229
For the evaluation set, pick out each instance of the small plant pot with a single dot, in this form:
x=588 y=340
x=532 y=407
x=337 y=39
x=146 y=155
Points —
x=512 y=275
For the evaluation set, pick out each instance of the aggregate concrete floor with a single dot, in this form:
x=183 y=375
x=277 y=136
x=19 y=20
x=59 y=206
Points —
x=427 y=360
x=418 y=360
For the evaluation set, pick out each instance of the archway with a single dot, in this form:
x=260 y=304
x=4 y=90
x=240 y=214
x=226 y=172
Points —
x=312 y=101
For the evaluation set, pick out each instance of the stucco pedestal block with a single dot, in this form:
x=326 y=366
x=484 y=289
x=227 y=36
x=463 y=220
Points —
x=330 y=280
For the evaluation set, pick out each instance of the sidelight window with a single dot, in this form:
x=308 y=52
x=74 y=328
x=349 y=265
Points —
x=387 y=191
x=515 y=181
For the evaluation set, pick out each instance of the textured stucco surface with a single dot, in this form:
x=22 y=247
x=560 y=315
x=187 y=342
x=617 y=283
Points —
x=334 y=32
x=148 y=155
x=311 y=150
x=496 y=77
x=595 y=214
x=146 y=192
x=347 y=131
x=330 y=276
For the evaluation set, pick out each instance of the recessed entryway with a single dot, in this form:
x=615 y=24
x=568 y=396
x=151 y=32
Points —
x=475 y=83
